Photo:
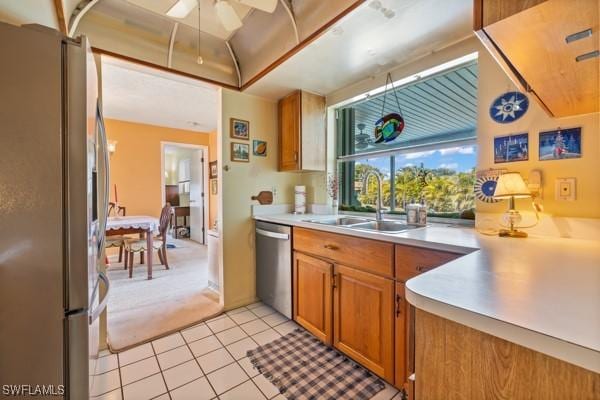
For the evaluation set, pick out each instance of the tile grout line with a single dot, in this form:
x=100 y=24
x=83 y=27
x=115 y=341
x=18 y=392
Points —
x=199 y=366
x=161 y=372
x=120 y=378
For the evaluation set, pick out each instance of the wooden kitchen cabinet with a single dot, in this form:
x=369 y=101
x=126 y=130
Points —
x=302 y=133
x=454 y=361
x=412 y=261
x=520 y=33
x=363 y=315
x=312 y=295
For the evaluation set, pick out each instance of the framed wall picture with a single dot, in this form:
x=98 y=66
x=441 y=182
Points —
x=259 y=148
x=212 y=169
x=511 y=148
x=213 y=187
x=560 y=144
x=239 y=129
x=240 y=152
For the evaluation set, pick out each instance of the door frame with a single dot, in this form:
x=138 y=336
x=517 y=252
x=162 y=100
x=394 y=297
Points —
x=205 y=196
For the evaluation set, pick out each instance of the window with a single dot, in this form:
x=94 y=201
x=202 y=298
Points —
x=432 y=161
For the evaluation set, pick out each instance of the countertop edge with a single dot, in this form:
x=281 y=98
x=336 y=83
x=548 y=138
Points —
x=364 y=234
x=569 y=352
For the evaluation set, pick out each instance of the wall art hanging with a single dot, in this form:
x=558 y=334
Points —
x=511 y=148
x=560 y=144
x=509 y=107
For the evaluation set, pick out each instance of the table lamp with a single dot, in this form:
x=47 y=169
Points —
x=511 y=186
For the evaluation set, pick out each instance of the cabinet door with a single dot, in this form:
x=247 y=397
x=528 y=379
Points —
x=312 y=295
x=363 y=315
x=289 y=132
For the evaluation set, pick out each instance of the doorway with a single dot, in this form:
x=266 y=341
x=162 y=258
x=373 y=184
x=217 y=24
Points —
x=148 y=114
x=184 y=185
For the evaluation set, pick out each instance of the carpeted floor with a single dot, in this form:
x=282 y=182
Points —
x=140 y=310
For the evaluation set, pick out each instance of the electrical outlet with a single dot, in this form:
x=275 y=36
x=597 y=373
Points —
x=565 y=189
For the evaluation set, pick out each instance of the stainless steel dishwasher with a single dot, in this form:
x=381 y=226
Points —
x=274 y=266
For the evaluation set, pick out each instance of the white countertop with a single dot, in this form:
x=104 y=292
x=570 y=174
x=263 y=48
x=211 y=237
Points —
x=542 y=293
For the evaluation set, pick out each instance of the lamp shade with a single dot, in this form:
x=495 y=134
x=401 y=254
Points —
x=511 y=184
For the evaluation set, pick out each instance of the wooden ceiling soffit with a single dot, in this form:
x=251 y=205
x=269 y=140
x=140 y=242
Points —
x=60 y=16
x=163 y=68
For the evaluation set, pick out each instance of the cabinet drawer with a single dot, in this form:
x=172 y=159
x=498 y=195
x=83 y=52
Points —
x=365 y=254
x=412 y=261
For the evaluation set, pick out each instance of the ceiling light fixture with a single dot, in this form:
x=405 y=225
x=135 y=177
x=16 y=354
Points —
x=225 y=11
x=181 y=9
x=227 y=15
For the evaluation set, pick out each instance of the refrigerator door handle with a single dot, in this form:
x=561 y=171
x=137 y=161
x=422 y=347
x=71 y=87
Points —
x=94 y=314
x=104 y=145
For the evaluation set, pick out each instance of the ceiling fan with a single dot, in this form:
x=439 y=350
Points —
x=225 y=12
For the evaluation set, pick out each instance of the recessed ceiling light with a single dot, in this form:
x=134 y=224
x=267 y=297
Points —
x=375 y=4
x=338 y=31
x=371 y=52
x=388 y=13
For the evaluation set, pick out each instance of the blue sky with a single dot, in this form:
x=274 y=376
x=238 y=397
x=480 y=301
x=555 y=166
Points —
x=460 y=159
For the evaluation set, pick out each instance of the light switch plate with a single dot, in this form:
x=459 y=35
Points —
x=565 y=189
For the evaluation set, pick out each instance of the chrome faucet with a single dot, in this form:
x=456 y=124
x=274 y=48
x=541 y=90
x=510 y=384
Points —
x=379 y=207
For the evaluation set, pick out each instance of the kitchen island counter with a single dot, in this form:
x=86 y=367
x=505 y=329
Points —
x=541 y=293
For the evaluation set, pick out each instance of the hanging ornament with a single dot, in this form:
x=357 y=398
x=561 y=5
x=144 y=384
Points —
x=389 y=126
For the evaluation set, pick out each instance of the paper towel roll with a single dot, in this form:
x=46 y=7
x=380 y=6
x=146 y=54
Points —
x=300 y=199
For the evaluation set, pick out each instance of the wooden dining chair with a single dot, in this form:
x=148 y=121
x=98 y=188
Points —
x=159 y=242
x=115 y=210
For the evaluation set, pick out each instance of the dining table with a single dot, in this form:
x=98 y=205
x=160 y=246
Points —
x=135 y=224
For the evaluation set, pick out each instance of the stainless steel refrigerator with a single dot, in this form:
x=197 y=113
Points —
x=53 y=202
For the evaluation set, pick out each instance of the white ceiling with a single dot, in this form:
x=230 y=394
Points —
x=28 y=12
x=209 y=22
x=366 y=43
x=131 y=92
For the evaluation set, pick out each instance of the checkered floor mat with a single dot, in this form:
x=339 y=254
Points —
x=304 y=368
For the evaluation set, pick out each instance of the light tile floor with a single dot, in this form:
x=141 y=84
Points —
x=207 y=361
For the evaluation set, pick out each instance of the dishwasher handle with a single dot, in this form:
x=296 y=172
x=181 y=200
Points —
x=274 y=235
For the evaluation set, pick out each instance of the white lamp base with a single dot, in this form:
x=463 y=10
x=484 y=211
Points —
x=512 y=218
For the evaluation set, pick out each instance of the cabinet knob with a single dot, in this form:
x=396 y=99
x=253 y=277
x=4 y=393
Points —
x=331 y=247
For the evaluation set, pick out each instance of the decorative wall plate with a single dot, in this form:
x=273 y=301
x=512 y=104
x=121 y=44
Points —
x=509 y=107
x=486 y=184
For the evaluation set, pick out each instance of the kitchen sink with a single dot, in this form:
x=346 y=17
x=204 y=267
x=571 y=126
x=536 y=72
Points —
x=366 y=224
x=343 y=221
x=385 y=226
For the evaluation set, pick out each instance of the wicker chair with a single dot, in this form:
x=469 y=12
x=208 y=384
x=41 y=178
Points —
x=159 y=242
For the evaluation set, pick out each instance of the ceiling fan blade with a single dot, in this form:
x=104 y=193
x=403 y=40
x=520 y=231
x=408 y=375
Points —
x=182 y=8
x=263 y=5
x=227 y=15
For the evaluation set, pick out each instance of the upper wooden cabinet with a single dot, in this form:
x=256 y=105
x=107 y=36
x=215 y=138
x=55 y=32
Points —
x=532 y=40
x=302 y=135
